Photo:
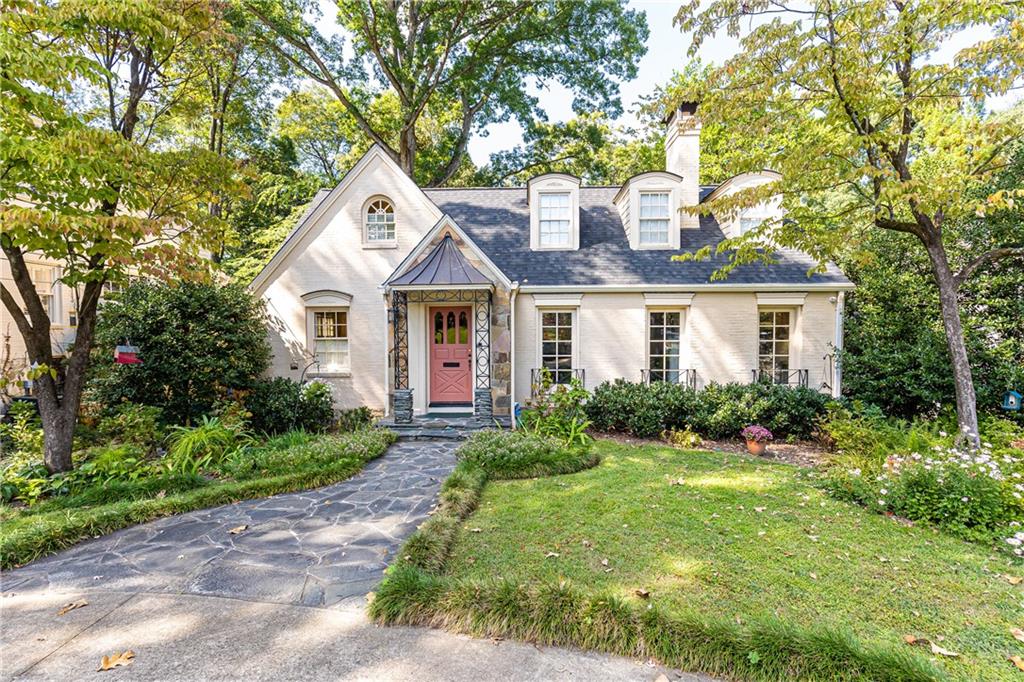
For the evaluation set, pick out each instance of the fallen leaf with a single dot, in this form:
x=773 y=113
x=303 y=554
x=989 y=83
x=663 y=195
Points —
x=938 y=650
x=587 y=543
x=759 y=509
x=677 y=481
x=604 y=562
x=910 y=639
x=161 y=495
x=551 y=554
x=1017 y=661
x=116 y=660
x=238 y=529
x=476 y=530
x=1014 y=579
x=71 y=606
x=1018 y=634
x=814 y=576
x=642 y=593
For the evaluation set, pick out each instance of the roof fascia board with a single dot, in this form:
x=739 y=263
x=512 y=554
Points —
x=681 y=288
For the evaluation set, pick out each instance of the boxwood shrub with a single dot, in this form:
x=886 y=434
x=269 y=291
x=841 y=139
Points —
x=718 y=411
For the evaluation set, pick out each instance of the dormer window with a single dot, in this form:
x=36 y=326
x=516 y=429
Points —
x=649 y=207
x=555 y=219
x=655 y=218
x=554 y=200
x=379 y=227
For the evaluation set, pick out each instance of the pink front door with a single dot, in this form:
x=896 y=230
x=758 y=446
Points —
x=451 y=356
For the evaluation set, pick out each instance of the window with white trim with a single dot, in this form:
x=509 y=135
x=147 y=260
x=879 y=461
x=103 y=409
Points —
x=654 y=218
x=556 y=341
x=664 y=334
x=749 y=224
x=773 y=336
x=380 y=221
x=555 y=219
x=42 y=278
x=330 y=340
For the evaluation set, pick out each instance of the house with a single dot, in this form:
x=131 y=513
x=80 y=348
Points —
x=414 y=300
x=58 y=299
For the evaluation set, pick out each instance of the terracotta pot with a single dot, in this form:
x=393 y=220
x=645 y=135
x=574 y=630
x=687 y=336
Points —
x=755 y=448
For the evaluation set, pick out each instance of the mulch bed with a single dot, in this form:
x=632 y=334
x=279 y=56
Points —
x=805 y=454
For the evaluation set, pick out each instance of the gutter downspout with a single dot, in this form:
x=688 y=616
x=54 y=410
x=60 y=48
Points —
x=512 y=351
x=837 y=361
x=387 y=372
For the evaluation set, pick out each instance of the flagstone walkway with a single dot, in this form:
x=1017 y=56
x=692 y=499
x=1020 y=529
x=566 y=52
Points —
x=324 y=547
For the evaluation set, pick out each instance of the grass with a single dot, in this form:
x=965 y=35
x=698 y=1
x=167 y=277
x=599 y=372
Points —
x=749 y=570
x=283 y=465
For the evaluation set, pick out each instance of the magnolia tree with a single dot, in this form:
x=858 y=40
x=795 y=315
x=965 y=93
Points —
x=871 y=130
x=83 y=88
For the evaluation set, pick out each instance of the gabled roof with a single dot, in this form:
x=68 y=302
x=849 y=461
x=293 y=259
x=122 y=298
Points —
x=497 y=220
x=444 y=267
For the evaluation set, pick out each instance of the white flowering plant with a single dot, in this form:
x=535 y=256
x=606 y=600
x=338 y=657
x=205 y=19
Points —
x=975 y=494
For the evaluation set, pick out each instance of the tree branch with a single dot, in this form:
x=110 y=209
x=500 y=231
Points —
x=988 y=257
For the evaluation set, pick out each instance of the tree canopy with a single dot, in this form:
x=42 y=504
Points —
x=467 y=63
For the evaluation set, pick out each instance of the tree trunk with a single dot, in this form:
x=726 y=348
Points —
x=966 y=402
x=60 y=429
x=407 y=149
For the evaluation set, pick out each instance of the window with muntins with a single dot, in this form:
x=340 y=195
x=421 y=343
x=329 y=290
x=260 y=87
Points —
x=654 y=218
x=773 y=345
x=555 y=219
x=330 y=328
x=556 y=345
x=664 y=331
x=380 y=221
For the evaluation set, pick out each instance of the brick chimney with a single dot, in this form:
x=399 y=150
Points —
x=682 y=156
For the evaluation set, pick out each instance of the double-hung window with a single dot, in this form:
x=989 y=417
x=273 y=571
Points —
x=773 y=338
x=330 y=329
x=380 y=221
x=664 y=332
x=654 y=218
x=749 y=224
x=556 y=351
x=555 y=219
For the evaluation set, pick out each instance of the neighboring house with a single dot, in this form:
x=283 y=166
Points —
x=59 y=300
x=411 y=300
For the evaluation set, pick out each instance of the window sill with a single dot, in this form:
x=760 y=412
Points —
x=380 y=245
x=341 y=374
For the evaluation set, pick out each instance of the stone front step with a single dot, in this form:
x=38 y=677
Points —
x=433 y=427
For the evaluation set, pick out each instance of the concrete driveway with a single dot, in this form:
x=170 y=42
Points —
x=282 y=597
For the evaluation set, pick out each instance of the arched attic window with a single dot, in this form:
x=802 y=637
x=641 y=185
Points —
x=379 y=221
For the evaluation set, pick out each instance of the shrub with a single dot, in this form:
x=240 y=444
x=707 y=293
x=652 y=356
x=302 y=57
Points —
x=354 y=419
x=683 y=439
x=557 y=411
x=917 y=471
x=279 y=405
x=23 y=432
x=195 y=341
x=316 y=407
x=131 y=423
x=522 y=454
x=718 y=411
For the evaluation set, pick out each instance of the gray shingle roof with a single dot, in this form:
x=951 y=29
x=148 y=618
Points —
x=498 y=221
x=444 y=266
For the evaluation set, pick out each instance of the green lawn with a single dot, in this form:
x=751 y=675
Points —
x=291 y=462
x=734 y=537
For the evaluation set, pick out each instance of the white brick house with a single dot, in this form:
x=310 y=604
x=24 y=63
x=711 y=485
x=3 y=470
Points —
x=454 y=299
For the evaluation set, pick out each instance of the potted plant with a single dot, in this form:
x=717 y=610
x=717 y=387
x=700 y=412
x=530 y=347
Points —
x=757 y=438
